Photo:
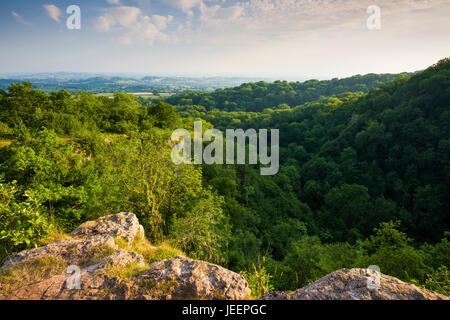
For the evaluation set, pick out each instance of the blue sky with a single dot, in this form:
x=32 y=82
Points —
x=286 y=39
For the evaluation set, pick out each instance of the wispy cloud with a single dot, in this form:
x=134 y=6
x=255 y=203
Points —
x=185 y=5
x=53 y=12
x=132 y=25
x=19 y=18
x=116 y=2
x=259 y=20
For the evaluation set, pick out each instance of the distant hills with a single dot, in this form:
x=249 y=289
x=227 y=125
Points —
x=132 y=83
x=101 y=83
x=257 y=96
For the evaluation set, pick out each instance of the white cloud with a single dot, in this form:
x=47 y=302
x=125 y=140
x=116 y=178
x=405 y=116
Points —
x=304 y=28
x=161 y=21
x=261 y=20
x=132 y=24
x=216 y=13
x=53 y=11
x=19 y=18
x=117 y=2
x=185 y=5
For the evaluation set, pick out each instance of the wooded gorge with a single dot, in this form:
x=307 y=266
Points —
x=364 y=175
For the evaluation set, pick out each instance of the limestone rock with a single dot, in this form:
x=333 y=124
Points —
x=71 y=251
x=357 y=284
x=184 y=278
x=90 y=236
x=123 y=225
x=95 y=284
x=93 y=251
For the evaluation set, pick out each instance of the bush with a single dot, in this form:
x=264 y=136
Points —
x=439 y=281
x=259 y=280
x=21 y=223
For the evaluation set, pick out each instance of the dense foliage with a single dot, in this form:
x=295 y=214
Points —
x=257 y=96
x=364 y=177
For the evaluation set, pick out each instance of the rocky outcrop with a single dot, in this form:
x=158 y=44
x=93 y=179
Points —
x=89 y=237
x=193 y=279
x=94 y=259
x=71 y=251
x=124 y=225
x=94 y=284
x=357 y=284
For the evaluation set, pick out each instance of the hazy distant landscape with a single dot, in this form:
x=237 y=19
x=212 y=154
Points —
x=100 y=83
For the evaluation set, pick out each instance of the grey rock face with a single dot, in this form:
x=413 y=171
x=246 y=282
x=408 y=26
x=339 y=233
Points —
x=123 y=225
x=184 y=278
x=356 y=284
x=90 y=235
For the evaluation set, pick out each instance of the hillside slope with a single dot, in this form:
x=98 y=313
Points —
x=257 y=96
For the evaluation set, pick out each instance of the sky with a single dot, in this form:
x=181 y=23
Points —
x=283 y=39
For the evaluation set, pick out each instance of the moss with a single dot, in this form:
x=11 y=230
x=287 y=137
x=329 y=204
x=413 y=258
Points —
x=157 y=289
x=218 y=296
x=167 y=287
x=163 y=288
x=131 y=270
x=146 y=285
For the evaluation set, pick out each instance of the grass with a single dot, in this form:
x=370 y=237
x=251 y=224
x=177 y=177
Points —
x=55 y=235
x=147 y=250
x=95 y=255
x=150 y=253
x=147 y=284
x=162 y=288
x=130 y=271
x=30 y=271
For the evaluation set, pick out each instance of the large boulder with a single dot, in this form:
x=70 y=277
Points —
x=71 y=251
x=184 y=278
x=357 y=284
x=95 y=283
x=124 y=225
x=89 y=238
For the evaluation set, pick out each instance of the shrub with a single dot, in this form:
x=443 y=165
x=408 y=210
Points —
x=259 y=280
